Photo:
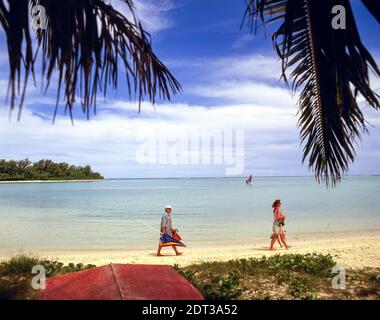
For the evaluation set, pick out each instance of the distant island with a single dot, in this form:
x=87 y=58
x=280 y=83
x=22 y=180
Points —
x=44 y=170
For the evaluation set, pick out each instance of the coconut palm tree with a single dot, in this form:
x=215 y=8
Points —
x=330 y=67
x=83 y=43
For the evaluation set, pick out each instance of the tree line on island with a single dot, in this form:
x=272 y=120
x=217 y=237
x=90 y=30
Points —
x=26 y=170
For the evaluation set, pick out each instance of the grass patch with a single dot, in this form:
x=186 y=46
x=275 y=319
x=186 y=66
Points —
x=287 y=276
x=21 y=264
x=16 y=275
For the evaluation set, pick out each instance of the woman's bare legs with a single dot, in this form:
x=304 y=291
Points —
x=274 y=239
x=282 y=236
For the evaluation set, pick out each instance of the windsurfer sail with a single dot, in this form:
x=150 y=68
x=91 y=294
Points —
x=248 y=181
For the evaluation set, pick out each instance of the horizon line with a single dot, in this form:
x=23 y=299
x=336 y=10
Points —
x=235 y=177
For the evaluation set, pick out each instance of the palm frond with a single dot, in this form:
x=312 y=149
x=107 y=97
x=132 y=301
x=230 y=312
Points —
x=84 y=42
x=373 y=7
x=329 y=67
x=14 y=19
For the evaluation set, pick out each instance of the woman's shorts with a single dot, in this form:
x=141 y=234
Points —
x=276 y=228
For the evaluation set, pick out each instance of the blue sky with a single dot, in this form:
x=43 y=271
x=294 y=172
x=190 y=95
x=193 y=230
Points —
x=230 y=82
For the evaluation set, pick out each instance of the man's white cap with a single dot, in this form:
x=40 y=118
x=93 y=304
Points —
x=168 y=206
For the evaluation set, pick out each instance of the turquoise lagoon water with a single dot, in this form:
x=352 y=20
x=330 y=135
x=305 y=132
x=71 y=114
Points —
x=208 y=211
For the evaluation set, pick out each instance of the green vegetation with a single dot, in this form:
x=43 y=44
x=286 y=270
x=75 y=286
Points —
x=288 y=276
x=24 y=170
x=16 y=276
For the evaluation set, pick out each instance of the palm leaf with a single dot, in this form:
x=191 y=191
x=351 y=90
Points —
x=329 y=67
x=84 y=42
x=373 y=7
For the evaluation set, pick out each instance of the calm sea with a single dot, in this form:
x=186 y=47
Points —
x=206 y=211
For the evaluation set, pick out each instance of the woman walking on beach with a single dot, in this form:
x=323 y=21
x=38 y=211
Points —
x=278 y=222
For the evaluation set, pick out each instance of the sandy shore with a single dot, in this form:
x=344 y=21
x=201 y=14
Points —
x=349 y=250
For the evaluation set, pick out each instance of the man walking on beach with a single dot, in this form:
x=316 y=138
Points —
x=167 y=227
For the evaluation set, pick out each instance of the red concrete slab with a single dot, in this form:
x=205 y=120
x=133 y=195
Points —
x=152 y=282
x=121 y=282
x=93 y=284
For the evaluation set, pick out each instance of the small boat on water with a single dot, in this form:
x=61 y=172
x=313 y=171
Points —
x=249 y=180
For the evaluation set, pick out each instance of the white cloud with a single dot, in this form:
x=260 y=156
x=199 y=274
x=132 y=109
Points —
x=3 y=87
x=247 y=92
x=243 y=40
x=109 y=141
x=249 y=67
x=248 y=116
x=237 y=67
x=245 y=95
x=3 y=58
x=239 y=79
x=153 y=14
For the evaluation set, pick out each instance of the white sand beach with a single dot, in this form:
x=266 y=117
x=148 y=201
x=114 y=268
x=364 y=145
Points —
x=351 y=250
